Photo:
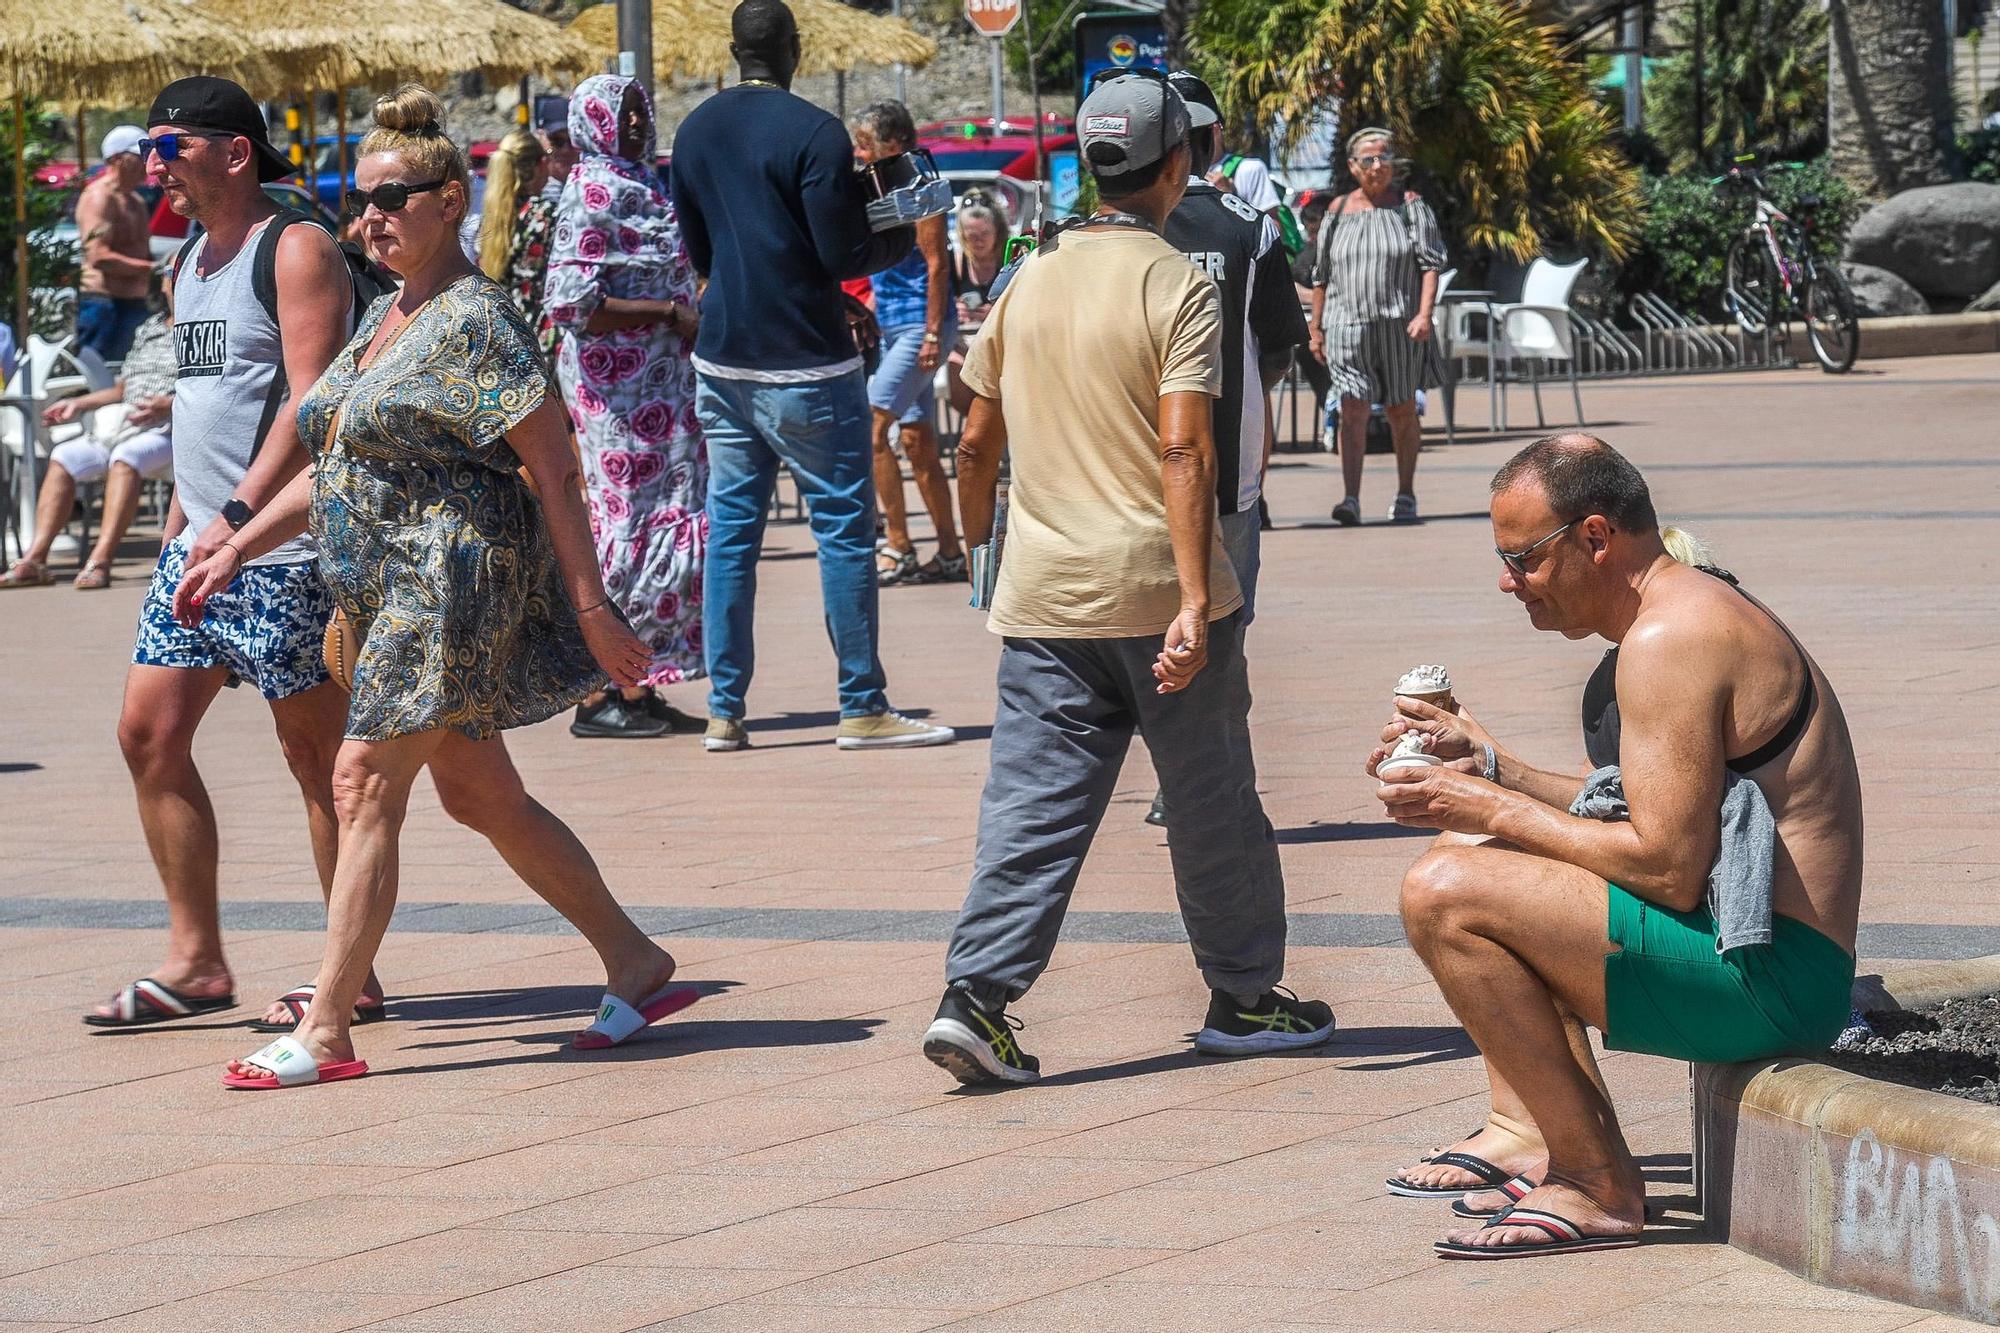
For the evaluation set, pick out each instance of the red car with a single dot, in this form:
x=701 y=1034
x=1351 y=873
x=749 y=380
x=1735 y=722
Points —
x=981 y=148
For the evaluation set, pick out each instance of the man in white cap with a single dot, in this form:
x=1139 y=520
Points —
x=117 y=255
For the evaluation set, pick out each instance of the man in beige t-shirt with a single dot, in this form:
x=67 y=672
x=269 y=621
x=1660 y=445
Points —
x=1119 y=611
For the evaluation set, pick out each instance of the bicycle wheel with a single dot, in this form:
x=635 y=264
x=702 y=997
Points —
x=1750 y=284
x=1832 y=325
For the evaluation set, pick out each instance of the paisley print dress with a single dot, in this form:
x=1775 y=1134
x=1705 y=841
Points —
x=631 y=393
x=428 y=537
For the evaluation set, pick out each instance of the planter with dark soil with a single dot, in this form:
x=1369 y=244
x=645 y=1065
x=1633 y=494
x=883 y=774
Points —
x=1851 y=1170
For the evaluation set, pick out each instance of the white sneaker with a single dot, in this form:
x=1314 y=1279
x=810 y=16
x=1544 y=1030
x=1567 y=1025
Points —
x=890 y=730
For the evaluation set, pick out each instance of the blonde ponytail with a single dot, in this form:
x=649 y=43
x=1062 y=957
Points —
x=1687 y=548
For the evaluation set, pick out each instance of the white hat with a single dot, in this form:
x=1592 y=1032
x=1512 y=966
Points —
x=121 y=139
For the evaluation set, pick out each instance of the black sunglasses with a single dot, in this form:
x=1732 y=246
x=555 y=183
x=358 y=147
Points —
x=1152 y=72
x=1518 y=560
x=168 y=145
x=389 y=198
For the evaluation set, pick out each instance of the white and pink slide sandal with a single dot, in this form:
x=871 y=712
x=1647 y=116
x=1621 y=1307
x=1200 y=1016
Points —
x=286 y=1063
x=617 y=1020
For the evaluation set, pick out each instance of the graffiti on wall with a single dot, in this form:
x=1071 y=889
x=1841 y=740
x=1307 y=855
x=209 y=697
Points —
x=1905 y=1210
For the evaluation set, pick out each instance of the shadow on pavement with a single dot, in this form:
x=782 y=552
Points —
x=1348 y=832
x=1423 y=1045
x=497 y=1008
x=664 y=1040
x=1408 y=1046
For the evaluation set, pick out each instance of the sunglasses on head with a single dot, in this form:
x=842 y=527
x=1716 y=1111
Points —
x=169 y=145
x=389 y=198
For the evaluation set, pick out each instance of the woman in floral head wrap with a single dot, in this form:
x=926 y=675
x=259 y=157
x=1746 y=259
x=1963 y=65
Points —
x=621 y=288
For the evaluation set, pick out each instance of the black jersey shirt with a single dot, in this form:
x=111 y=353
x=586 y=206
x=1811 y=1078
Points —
x=1235 y=245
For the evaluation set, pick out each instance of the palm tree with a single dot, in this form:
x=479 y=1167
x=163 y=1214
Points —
x=1889 y=116
x=1510 y=144
x=1763 y=82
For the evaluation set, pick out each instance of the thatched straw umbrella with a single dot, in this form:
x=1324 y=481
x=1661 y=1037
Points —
x=334 y=48
x=118 y=50
x=691 y=37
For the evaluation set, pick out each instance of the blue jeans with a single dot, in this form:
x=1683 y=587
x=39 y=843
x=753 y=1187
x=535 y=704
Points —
x=106 y=324
x=822 y=432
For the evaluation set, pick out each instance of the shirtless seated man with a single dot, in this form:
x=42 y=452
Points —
x=1531 y=918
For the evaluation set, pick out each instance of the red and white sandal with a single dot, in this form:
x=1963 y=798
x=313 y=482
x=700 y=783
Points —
x=286 y=1063
x=617 y=1020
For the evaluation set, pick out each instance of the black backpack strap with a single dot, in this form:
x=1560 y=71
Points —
x=264 y=282
x=264 y=266
x=181 y=256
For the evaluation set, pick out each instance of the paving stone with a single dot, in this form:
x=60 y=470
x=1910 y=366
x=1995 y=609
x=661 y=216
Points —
x=781 y=1156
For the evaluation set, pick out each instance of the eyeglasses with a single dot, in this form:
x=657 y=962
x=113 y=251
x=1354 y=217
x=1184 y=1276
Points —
x=1376 y=160
x=1517 y=561
x=389 y=198
x=169 y=145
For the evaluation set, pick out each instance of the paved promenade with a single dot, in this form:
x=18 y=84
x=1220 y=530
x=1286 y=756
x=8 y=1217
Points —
x=782 y=1156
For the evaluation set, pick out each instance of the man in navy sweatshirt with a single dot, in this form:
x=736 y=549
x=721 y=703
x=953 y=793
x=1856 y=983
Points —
x=775 y=217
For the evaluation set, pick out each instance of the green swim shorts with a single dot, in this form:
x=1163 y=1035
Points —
x=1668 y=992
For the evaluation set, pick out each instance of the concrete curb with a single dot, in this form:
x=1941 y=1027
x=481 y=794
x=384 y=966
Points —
x=1926 y=335
x=1855 y=1183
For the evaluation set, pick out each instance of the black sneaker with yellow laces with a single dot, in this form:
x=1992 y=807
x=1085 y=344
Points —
x=1279 y=1021
x=977 y=1045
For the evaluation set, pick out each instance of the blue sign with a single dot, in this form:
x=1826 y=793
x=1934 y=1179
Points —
x=1117 y=39
x=1065 y=182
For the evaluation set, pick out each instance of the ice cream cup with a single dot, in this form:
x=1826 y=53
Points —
x=1402 y=761
x=1440 y=699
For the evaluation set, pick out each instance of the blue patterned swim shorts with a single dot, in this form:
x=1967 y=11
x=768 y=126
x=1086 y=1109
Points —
x=267 y=627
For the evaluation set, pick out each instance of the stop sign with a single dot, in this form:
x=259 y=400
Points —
x=994 y=18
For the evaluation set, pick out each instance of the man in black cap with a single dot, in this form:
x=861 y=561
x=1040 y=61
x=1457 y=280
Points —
x=1234 y=244
x=552 y=132
x=258 y=314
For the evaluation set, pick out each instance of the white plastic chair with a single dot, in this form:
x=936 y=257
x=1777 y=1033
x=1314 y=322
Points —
x=1535 y=329
x=59 y=371
x=1441 y=347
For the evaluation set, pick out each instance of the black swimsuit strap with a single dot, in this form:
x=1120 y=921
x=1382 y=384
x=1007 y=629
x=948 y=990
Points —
x=1601 y=721
x=1801 y=718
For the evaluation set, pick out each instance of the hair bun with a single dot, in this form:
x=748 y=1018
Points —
x=411 y=109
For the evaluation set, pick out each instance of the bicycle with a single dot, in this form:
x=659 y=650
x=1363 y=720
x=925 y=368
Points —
x=1772 y=271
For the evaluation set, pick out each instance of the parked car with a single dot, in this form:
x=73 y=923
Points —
x=964 y=148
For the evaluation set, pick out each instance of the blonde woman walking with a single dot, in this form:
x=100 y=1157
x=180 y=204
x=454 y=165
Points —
x=478 y=609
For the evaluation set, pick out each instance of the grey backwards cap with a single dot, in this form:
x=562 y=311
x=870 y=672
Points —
x=1129 y=123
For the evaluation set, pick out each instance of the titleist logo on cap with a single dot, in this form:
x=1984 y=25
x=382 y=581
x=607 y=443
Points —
x=1107 y=124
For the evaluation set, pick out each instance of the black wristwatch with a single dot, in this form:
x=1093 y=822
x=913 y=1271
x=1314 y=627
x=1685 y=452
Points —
x=236 y=514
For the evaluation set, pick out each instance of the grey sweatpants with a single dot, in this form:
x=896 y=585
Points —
x=1068 y=708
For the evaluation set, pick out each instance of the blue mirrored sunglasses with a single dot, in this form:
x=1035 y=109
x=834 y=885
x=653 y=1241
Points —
x=168 y=145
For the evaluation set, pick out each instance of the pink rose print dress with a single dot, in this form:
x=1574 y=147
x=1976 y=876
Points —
x=631 y=393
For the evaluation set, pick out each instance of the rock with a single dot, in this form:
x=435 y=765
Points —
x=1944 y=240
x=1987 y=300
x=1877 y=291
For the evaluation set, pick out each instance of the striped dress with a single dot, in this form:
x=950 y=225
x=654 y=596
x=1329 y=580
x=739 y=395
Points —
x=1371 y=262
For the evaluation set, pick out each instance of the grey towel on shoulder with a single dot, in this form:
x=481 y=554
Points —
x=1739 y=883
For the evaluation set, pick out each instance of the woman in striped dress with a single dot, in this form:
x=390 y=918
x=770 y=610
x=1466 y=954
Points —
x=1375 y=281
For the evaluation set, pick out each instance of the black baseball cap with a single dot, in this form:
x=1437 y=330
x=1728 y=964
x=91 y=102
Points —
x=204 y=102
x=1203 y=110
